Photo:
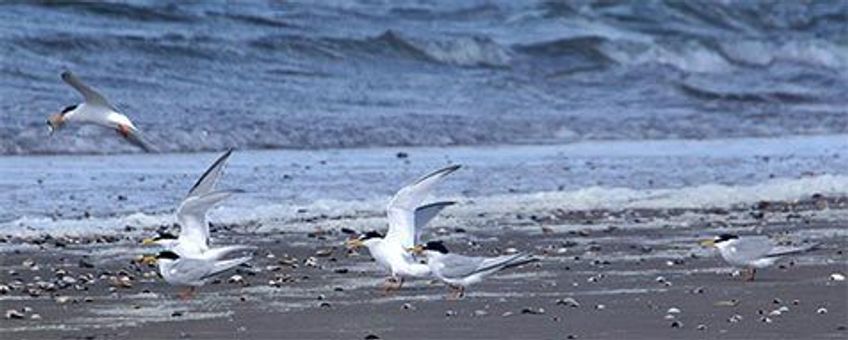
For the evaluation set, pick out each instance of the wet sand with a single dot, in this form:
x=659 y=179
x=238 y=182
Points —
x=627 y=270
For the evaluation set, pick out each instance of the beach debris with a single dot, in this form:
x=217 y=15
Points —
x=796 y=302
x=121 y=281
x=510 y=251
x=571 y=336
x=837 y=277
x=600 y=307
x=735 y=318
x=673 y=310
x=324 y=252
x=698 y=290
x=14 y=314
x=506 y=314
x=407 y=306
x=4 y=289
x=533 y=311
x=821 y=310
x=236 y=278
x=480 y=313
x=727 y=303
x=176 y=314
x=668 y=317
x=765 y=319
x=62 y=299
x=310 y=262
x=568 y=302
x=371 y=337
x=325 y=304
x=701 y=327
x=450 y=313
x=660 y=279
x=35 y=316
x=676 y=324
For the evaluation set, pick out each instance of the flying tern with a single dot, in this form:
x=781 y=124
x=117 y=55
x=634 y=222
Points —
x=95 y=109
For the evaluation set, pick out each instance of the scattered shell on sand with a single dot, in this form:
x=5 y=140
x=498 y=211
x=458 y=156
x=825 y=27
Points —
x=35 y=317
x=765 y=319
x=480 y=312
x=821 y=310
x=533 y=311
x=450 y=313
x=837 y=277
x=701 y=327
x=568 y=302
x=62 y=299
x=13 y=314
x=735 y=318
x=600 y=307
x=236 y=279
x=676 y=324
x=727 y=303
x=673 y=310
x=506 y=314
x=407 y=306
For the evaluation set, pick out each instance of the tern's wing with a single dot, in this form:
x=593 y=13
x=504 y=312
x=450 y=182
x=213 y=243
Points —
x=90 y=95
x=206 y=182
x=189 y=270
x=426 y=213
x=192 y=216
x=783 y=250
x=401 y=209
x=136 y=138
x=459 y=266
x=219 y=252
x=749 y=248
x=220 y=266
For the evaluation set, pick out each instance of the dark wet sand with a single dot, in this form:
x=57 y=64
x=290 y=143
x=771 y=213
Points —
x=597 y=258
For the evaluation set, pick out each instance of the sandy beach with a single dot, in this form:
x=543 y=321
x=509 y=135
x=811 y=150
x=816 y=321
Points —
x=603 y=275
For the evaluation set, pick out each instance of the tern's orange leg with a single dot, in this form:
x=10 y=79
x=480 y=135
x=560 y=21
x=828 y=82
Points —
x=123 y=130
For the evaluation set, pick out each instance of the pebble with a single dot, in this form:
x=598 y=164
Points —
x=673 y=310
x=765 y=319
x=62 y=299
x=35 y=317
x=533 y=311
x=176 y=314
x=506 y=314
x=568 y=302
x=371 y=337
x=821 y=310
x=4 y=289
x=676 y=324
x=236 y=279
x=735 y=318
x=13 y=314
x=600 y=307
x=407 y=306
x=450 y=313
x=480 y=312
x=837 y=277
x=701 y=327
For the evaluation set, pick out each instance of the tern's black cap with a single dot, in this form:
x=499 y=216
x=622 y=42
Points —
x=369 y=235
x=168 y=255
x=725 y=237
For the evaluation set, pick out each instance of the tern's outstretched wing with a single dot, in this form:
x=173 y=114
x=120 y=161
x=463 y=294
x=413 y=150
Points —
x=136 y=138
x=192 y=216
x=91 y=96
x=206 y=182
x=424 y=214
x=401 y=209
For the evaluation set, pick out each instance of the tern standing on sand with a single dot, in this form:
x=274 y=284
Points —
x=751 y=252
x=95 y=109
x=192 y=272
x=459 y=271
x=406 y=217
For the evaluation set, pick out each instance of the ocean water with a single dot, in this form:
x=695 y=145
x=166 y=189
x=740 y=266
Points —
x=203 y=76
x=548 y=104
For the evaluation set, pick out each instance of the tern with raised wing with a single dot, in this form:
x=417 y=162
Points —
x=95 y=109
x=406 y=216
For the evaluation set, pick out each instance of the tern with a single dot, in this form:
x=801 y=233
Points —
x=407 y=217
x=193 y=239
x=95 y=109
x=191 y=272
x=751 y=252
x=459 y=271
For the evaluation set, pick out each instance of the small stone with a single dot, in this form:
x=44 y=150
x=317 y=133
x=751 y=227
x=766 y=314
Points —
x=510 y=251
x=480 y=312
x=325 y=304
x=236 y=279
x=600 y=307
x=673 y=310
x=401 y=155
x=13 y=314
x=568 y=302
x=176 y=314
x=371 y=337
x=775 y=313
x=571 y=336
x=35 y=317
x=660 y=279
x=837 y=277
x=450 y=313
x=676 y=324
x=765 y=319
x=701 y=327
x=407 y=306
x=530 y=310
x=821 y=310
x=62 y=299
x=735 y=318
x=668 y=317
x=698 y=290
x=506 y=314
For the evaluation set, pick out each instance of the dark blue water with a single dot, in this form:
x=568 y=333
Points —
x=320 y=74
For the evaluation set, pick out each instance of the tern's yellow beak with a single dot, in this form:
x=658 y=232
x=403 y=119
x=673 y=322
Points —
x=147 y=242
x=417 y=250
x=354 y=244
x=708 y=243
